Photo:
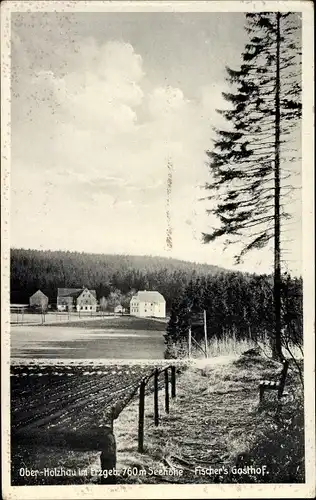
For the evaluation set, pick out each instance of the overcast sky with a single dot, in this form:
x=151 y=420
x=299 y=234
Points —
x=100 y=102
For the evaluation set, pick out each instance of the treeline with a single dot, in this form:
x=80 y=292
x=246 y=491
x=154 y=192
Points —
x=107 y=274
x=236 y=305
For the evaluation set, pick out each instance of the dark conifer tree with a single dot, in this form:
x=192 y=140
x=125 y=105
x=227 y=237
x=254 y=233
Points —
x=249 y=317
x=248 y=157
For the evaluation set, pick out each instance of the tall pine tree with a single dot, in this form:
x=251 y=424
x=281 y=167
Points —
x=247 y=161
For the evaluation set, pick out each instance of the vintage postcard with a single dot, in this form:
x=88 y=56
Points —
x=157 y=249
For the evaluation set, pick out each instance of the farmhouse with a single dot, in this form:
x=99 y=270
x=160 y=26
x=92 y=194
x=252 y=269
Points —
x=39 y=300
x=80 y=299
x=119 y=309
x=148 y=303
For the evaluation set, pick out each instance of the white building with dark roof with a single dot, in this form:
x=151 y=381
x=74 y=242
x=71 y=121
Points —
x=148 y=303
x=80 y=299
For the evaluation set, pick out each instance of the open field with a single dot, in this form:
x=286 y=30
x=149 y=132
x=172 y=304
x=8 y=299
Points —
x=52 y=400
x=107 y=338
x=63 y=391
x=119 y=322
x=67 y=394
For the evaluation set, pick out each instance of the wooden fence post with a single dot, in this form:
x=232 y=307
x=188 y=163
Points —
x=112 y=417
x=156 y=409
x=173 y=381
x=190 y=342
x=141 y=417
x=166 y=390
x=205 y=333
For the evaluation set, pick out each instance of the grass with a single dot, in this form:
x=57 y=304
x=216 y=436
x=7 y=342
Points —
x=95 y=321
x=111 y=337
x=116 y=322
x=229 y=345
x=226 y=346
x=216 y=422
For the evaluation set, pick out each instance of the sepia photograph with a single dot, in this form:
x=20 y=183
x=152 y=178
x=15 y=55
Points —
x=157 y=184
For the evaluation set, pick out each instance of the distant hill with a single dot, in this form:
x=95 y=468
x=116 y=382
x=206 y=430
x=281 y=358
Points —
x=47 y=270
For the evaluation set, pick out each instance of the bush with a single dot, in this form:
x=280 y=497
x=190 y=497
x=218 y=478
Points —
x=280 y=448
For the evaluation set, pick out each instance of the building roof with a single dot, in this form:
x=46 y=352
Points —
x=73 y=292
x=79 y=296
x=39 y=292
x=149 y=296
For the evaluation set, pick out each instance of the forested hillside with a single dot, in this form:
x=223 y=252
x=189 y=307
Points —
x=236 y=303
x=47 y=270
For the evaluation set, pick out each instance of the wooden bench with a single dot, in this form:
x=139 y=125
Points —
x=268 y=385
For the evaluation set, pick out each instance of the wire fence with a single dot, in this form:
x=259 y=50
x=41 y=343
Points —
x=25 y=316
x=153 y=382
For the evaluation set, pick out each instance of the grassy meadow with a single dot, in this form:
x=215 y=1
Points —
x=120 y=337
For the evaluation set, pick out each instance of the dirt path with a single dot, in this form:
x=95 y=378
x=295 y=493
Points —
x=204 y=425
x=213 y=418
